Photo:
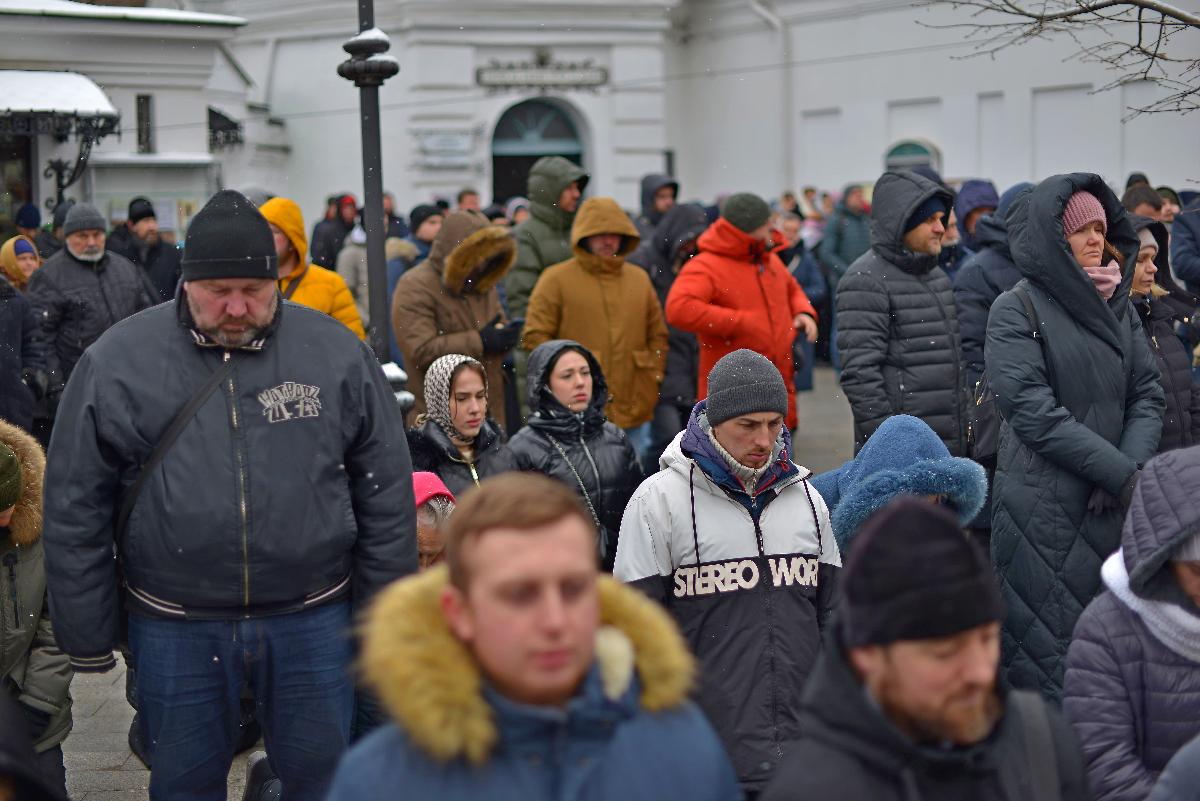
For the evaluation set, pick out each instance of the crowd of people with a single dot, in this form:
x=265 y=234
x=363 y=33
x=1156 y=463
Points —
x=589 y=562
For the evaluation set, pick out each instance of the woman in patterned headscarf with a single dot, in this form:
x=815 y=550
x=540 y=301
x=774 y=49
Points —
x=455 y=438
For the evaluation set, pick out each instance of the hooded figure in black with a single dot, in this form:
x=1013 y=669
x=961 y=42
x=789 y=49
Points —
x=663 y=255
x=1082 y=411
x=578 y=446
x=1162 y=305
x=651 y=217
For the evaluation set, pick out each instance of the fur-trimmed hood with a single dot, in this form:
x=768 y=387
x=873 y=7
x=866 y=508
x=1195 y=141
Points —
x=26 y=526
x=433 y=689
x=467 y=248
x=903 y=457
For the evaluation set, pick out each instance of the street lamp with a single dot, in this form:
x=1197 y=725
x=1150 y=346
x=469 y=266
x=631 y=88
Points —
x=369 y=66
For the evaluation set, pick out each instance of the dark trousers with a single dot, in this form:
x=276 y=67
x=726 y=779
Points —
x=669 y=419
x=189 y=690
x=54 y=772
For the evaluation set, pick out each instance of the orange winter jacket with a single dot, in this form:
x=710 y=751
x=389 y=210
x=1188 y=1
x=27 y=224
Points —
x=320 y=289
x=737 y=294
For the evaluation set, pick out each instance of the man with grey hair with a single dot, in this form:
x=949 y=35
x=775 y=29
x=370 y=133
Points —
x=82 y=291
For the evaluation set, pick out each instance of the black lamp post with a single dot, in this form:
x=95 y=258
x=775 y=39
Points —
x=369 y=66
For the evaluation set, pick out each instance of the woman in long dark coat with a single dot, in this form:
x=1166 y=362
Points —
x=1082 y=409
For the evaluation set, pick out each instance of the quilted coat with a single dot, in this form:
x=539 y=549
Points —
x=1082 y=409
x=897 y=326
x=1132 y=687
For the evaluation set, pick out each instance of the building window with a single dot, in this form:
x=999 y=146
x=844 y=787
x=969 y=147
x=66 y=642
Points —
x=913 y=153
x=145 y=124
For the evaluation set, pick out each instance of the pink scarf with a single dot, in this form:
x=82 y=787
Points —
x=1106 y=277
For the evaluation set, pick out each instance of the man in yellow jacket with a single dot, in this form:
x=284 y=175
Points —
x=300 y=281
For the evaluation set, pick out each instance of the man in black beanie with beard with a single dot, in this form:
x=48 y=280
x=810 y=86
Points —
x=904 y=701
x=245 y=459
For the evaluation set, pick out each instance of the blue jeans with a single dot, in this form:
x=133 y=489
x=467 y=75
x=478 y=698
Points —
x=639 y=438
x=189 y=689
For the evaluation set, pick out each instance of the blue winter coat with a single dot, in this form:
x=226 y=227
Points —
x=903 y=457
x=1082 y=409
x=1132 y=686
x=1180 y=781
x=1185 y=247
x=22 y=345
x=629 y=734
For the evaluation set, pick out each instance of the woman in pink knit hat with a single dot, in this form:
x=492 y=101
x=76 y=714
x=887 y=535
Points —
x=1082 y=407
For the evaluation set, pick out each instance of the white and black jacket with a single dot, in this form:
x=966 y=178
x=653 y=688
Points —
x=750 y=580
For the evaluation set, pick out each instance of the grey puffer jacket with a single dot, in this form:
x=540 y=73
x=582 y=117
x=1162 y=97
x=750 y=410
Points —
x=1091 y=426
x=78 y=301
x=1132 y=686
x=897 y=325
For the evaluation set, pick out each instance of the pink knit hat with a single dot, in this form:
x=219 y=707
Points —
x=1083 y=209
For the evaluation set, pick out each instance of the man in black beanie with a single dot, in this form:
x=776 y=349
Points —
x=904 y=702
x=735 y=542
x=251 y=456
x=897 y=327
x=139 y=241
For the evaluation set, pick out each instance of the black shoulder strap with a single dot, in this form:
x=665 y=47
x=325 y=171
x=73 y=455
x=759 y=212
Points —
x=1036 y=323
x=292 y=287
x=1041 y=763
x=168 y=439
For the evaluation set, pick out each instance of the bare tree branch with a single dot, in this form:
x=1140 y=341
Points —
x=1135 y=37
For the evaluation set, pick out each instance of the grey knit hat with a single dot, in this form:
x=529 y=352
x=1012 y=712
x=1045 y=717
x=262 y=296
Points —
x=746 y=211
x=744 y=382
x=84 y=217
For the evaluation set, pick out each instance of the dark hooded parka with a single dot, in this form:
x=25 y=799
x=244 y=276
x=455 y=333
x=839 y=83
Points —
x=650 y=217
x=1082 y=409
x=594 y=452
x=1165 y=307
x=897 y=325
x=1133 y=671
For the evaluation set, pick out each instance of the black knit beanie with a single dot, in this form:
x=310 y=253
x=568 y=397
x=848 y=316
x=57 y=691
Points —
x=140 y=209
x=229 y=238
x=921 y=213
x=913 y=574
x=420 y=214
x=744 y=382
x=746 y=211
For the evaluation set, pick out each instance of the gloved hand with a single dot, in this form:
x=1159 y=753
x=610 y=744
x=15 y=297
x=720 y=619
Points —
x=1101 y=502
x=1130 y=485
x=37 y=381
x=498 y=337
x=35 y=720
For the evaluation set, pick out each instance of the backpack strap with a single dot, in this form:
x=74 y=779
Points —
x=1039 y=765
x=1036 y=323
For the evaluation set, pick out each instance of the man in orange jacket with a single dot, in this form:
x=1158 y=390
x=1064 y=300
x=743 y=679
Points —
x=302 y=282
x=737 y=293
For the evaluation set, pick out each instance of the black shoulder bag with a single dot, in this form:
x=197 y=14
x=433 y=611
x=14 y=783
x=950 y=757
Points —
x=983 y=423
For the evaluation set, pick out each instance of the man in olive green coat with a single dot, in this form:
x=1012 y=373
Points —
x=32 y=668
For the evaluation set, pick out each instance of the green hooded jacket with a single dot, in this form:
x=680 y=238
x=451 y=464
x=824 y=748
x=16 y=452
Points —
x=32 y=667
x=545 y=238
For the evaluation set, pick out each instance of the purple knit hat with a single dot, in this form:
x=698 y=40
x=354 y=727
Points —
x=1083 y=209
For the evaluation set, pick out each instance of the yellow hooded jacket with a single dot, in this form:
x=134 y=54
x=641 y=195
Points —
x=320 y=289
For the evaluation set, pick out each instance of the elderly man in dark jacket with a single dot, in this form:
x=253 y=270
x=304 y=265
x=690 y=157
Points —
x=897 y=326
x=139 y=241
x=82 y=291
x=242 y=545
x=1132 y=687
x=905 y=702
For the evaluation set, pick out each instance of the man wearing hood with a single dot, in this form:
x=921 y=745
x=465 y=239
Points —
x=905 y=702
x=897 y=327
x=609 y=307
x=673 y=243
x=449 y=303
x=737 y=293
x=975 y=199
x=301 y=282
x=138 y=240
x=731 y=537
x=660 y=193
x=330 y=234
x=1132 y=688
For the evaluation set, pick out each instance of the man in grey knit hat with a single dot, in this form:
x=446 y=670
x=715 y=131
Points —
x=733 y=539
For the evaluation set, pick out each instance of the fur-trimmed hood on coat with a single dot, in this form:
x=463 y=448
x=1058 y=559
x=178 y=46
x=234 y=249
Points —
x=903 y=457
x=472 y=255
x=433 y=688
x=26 y=525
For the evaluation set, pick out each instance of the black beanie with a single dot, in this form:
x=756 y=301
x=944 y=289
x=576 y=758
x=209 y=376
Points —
x=930 y=207
x=140 y=209
x=229 y=238
x=913 y=574
x=420 y=214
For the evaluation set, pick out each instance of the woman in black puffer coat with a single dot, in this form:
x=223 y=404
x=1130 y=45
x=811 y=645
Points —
x=1162 y=304
x=568 y=438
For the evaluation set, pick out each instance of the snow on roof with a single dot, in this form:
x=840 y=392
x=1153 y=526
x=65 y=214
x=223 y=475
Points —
x=67 y=8
x=49 y=92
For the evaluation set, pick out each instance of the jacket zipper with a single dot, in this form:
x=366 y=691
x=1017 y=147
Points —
x=758 y=275
x=10 y=561
x=241 y=470
x=770 y=614
x=595 y=470
x=474 y=475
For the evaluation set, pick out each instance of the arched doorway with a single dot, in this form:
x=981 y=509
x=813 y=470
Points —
x=524 y=134
x=909 y=153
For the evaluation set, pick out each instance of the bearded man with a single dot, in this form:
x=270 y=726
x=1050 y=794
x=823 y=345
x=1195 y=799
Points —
x=252 y=457
x=904 y=702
